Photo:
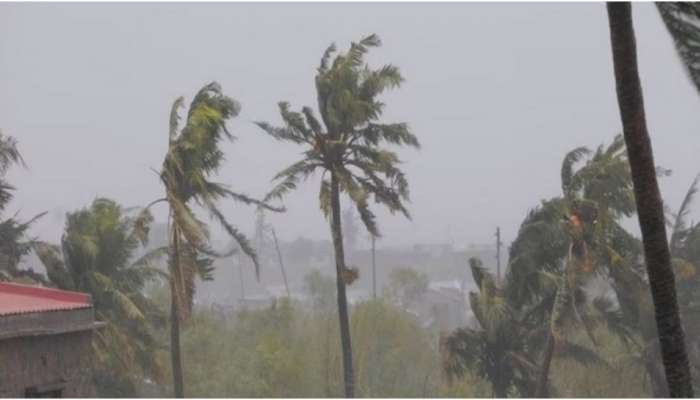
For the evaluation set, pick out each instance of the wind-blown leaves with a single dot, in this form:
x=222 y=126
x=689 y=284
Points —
x=347 y=141
x=683 y=22
x=193 y=156
x=97 y=256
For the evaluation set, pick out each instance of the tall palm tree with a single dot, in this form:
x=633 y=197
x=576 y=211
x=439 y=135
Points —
x=193 y=156
x=97 y=255
x=346 y=146
x=648 y=199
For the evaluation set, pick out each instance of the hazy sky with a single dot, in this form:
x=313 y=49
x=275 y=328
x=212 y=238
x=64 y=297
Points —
x=497 y=93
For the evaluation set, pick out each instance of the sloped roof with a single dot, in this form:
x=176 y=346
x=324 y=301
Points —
x=25 y=299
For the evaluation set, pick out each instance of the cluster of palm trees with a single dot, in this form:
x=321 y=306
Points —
x=552 y=258
x=347 y=142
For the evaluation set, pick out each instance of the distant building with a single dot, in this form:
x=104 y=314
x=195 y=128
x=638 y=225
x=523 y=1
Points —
x=443 y=306
x=45 y=342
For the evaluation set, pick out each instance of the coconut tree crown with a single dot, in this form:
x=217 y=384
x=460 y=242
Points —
x=348 y=139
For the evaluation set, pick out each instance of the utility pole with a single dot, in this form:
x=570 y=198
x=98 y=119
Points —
x=279 y=256
x=374 y=269
x=498 y=254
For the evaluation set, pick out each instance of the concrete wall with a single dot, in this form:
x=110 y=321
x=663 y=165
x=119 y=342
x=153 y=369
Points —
x=47 y=362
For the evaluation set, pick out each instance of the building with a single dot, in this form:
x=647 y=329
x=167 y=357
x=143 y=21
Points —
x=45 y=342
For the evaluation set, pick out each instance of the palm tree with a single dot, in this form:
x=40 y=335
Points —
x=97 y=255
x=193 y=156
x=497 y=349
x=551 y=259
x=14 y=243
x=346 y=145
x=648 y=199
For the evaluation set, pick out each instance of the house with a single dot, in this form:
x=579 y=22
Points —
x=45 y=342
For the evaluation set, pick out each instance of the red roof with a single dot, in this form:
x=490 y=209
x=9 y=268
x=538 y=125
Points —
x=22 y=299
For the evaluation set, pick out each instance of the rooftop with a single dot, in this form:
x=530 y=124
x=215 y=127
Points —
x=25 y=299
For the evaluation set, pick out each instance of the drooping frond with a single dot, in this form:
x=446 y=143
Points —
x=9 y=153
x=567 y=167
x=323 y=67
x=175 y=117
x=683 y=22
x=238 y=236
x=680 y=224
x=192 y=228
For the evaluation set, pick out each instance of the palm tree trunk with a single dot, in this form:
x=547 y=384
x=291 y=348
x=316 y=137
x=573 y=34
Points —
x=175 y=355
x=541 y=389
x=374 y=269
x=648 y=198
x=342 y=299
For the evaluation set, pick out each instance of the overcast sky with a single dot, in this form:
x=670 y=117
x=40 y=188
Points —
x=496 y=93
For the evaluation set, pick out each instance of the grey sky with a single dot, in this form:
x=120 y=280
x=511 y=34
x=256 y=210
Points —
x=497 y=93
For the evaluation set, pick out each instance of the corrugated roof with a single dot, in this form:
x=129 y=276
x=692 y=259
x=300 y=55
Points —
x=23 y=299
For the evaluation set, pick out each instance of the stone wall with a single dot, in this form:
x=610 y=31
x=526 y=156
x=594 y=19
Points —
x=47 y=362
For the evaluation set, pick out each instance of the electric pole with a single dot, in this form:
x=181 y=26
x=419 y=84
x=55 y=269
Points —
x=279 y=256
x=498 y=254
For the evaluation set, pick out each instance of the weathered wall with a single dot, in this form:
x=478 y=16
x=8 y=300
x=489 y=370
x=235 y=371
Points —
x=46 y=360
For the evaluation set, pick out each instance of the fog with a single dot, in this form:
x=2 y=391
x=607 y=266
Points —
x=496 y=93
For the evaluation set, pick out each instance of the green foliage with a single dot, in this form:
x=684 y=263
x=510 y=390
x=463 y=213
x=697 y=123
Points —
x=97 y=255
x=683 y=22
x=14 y=242
x=347 y=141
x=193 y=156
x=289 y=351
x=496 y=350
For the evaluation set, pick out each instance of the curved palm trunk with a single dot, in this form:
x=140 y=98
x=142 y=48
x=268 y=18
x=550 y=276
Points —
x=175 y=355
x=649 y=203
x=342 y=299
x=541 y=389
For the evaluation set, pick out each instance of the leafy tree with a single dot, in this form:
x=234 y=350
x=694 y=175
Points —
x=193 y=156
x=346 y=144
x=648 y=199
x=97 y=255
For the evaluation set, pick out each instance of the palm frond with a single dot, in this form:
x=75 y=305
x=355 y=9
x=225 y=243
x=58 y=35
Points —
x=682 y=20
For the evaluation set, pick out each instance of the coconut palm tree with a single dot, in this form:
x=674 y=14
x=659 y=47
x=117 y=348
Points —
x=635 y=304
x=497 y=349
x=648 y=199
x=553 y=258
x=193 y=156
x=97 y=255
x=346 y=145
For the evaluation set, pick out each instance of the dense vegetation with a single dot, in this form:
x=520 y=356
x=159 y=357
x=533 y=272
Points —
x=586 y=308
